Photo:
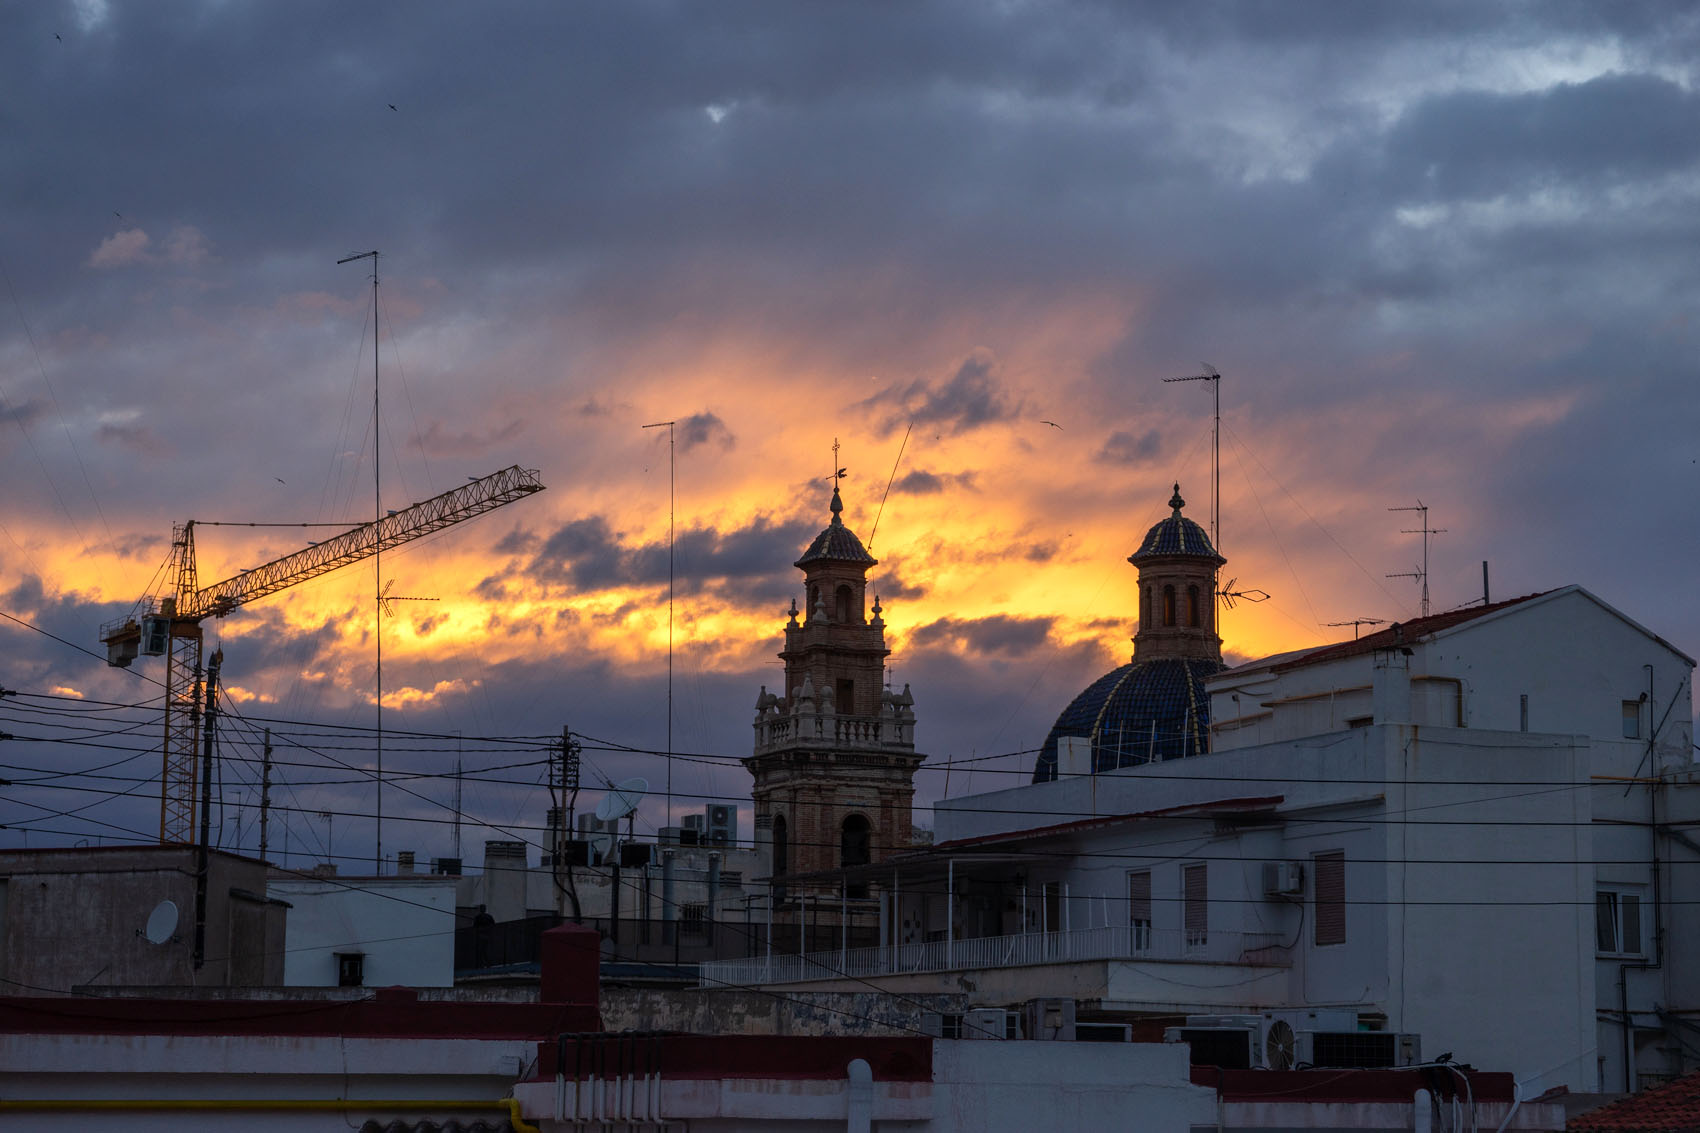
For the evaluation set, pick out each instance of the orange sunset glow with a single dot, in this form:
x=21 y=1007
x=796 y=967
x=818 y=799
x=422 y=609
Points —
x=962 y=278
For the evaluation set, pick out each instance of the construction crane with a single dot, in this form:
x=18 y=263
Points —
x=170 y=625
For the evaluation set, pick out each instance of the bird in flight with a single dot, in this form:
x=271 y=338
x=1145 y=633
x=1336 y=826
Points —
x=279 y=479
x=1052 y=424
x=392 y=107
x=59 y=37
x=119 y=215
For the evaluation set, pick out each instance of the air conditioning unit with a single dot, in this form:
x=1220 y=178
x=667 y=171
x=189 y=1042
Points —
x=1049 y=1019
x=991 y=1023
x=1283 y=879
x=1357 y=1050
x=1230 y=1047
x=1275 y=1040
x=722 y=827
x=1103 y=1032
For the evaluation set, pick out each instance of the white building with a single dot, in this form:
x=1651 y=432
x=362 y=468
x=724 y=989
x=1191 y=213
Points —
x=1478 y=829
x=367 y=931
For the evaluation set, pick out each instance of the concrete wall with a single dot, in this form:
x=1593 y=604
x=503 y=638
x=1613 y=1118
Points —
x=75 y=917
x=404 y=927
x=739 y=1012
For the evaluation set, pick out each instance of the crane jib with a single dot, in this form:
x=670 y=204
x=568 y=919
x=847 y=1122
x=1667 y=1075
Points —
x=413 y=522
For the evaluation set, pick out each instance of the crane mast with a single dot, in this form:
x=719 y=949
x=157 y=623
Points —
x=171 y=625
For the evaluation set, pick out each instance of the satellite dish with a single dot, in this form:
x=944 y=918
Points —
x=162 y=922
x=622 y=799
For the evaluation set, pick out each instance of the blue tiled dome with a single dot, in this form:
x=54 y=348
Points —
x=1176 y=535
x=1139 y=713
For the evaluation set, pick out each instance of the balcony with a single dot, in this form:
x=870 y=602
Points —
x=1111 y=942
x=830 y=731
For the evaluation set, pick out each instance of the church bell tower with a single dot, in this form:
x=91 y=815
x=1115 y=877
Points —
x=834 y=760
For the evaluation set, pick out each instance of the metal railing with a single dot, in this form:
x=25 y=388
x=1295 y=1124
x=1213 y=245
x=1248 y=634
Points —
x=829 y=729
x=1107 y=942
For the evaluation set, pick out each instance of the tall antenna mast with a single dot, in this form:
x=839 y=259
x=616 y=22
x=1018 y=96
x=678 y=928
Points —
x=670 y=512
x=377 y=556
x=1214 y=377
x=457 y=795
x=1421 y=573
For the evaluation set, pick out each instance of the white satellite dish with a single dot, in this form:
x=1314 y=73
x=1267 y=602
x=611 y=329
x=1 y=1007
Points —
x=622 y=799
x=162 y=922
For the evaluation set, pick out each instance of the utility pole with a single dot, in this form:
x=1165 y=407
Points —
x=1421 y=573
x=201 y=855
x=265 y=791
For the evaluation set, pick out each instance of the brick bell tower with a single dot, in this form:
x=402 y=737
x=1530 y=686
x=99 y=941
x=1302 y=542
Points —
x=834 y=762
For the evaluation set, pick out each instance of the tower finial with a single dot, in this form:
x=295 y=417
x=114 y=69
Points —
x=1175 y=501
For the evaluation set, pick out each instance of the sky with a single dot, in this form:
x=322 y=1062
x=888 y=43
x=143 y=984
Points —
x=1440 y=253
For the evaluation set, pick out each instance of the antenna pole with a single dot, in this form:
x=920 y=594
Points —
x=377 y=556
x=1421 y=574
x=671 y=496
x=265 y=791
x=201 y=863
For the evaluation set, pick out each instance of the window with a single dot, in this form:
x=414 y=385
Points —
x=846 y=601
x=1168 y=605
x=1329 y=869
x=350 y=969
x=1144 y=607
x=1195 y=898
x=781 y=852
x=1192 y=606
x=844 y=696
x=1139 y=909
x=693 y=918
x=1617 y=921
x=1632 y=719
x=854 y=842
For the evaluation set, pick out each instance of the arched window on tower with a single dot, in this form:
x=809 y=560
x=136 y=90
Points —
x=814 y=600
x=1145 y=607
x=781 y=851
x=855 y=842
x=1168 y=605
x=1192 y=606
x=846 y=600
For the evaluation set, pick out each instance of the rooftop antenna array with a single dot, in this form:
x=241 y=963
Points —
x=1356 y=622
x=1420 y=574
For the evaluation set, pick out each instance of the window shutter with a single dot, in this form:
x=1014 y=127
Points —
x=1139 y=897
x=1330 y=873
x=1196 y=888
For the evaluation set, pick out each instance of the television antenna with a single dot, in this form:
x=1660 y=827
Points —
x=1229 y=595
x=385 y=598
x=1420 y=574
x=1356 y=622
x=1214 y=377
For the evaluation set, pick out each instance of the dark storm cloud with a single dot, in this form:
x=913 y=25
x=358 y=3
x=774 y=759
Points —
x=999 y=634
x=703 y=429
x=924 y=483
x=588 y=554
x=1474 y=144
x=972 y=397
x=1123 y=447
